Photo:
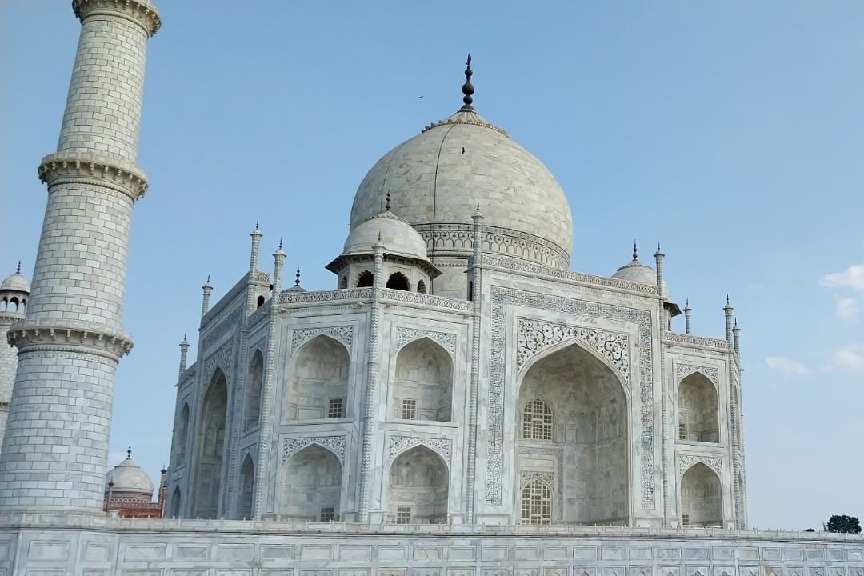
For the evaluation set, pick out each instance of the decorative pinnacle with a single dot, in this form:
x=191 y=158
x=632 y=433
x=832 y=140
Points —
x=280 y=243
x=735 y=325
x=659 y=250
x=208 y=280
x=18 y=271
x=387 y=206
x=686 y=304
x=256 y=224
x=468 y=88
x=129 y=452
x=635 y=253
x=297 y=278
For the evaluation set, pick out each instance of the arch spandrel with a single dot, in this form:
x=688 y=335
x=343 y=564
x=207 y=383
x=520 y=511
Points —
x=335 y=444
x=398 y=445
x=537 y=339
x=682 y=371
x=687 y=461
x=342 y=334
x=405 y=336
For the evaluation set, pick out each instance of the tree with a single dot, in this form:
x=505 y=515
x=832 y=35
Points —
x=843 y=524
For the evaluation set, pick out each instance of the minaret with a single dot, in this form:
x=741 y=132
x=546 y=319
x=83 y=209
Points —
x=728 y=311
x=184 y=352
x=688 y=312
x=256 y=243
x=14 y=293
x=71 y=339
x=206 y=291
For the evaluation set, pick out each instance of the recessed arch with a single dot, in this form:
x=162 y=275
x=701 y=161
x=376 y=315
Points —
x=701 y=497
x=210 y=448
x=175 y=503
x=312 y=485
x=419 y=482
x=182 y=438
x=254 y=384
x=583 y=411
x=421 y=287
x=366 y=278
x=422 y=388
x=536 y=502
x=398 y=281
x=247 y=485
x=319 y=381
x=698 y=409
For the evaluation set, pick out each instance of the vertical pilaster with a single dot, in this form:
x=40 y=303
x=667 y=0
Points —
x=184 y=352
x=666 y=455
x=476 y=296
x=728 y=311
x=371 y=407
x=71 y=339
x=206 y=292
x=688 y=312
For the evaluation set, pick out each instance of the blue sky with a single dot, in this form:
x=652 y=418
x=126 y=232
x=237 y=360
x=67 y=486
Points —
x=731 y=132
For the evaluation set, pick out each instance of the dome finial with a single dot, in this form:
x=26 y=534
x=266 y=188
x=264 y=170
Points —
x=129 y=452
x=297 y=278
x=18 y=271
x=635 y=252
x=468 y=88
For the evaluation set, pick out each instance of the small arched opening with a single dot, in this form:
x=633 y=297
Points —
x=247 y=486
x=701 y=498
x=182 y=438
x=260 y=301
x=419 y=485
x=365 y=279
x=175 y=503
x=398 y=281
x=421 y=287
x=254 y=383
x=697 y=409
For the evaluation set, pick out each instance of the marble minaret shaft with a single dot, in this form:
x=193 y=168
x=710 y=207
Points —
x=56 y=445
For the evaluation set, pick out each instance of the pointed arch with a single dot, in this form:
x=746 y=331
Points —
x=312 y=485
x=419 y=482
x=698 y=409
x=585 y=446
x=210 y=448
x=254 y=383
x=247 y=485
x=423 y=385
x=398 y=281
x=701 y=497
x=366 y=278
x=175 y=503
x=319 y=381
x=182 y=437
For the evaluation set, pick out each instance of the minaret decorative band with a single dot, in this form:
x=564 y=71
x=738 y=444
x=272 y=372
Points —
x=56 y=446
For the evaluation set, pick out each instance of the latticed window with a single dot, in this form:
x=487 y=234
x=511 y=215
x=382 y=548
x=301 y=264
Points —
x=537 y=420
x=685 y=520
x=409 y=409
x=682 y=431
x=336 y=408
x=328 y=514
x=537 y=503
x=403 y=515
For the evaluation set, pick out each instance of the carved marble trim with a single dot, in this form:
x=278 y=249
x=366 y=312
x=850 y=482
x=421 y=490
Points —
x=683 y=370
x=535 y=336
x=396 y=445
x=69 y=339
x=687 y=461
x=141 y=12
x=528 y=476
x=335 y=444
x=58 y=169
x=342 y=334
x=501 y=298
x=696 y=341
x=403 y=296
x=405 y=336
x=221 y=358
x=288 y=297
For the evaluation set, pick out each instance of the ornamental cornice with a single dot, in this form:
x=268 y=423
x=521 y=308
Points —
x=535 y=336
x=287 y=297
x=140 y=12
x=69 y=339
x=397 y=445
x=334 y=444
x=687 y=461
x=516 y=265
x=99 y=171
x=696 y=341
x=683 y=370
x=342 y=334
x=262 y=277
x=426 y=300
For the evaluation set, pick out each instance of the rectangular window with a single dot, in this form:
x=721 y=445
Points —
x=328 y=514
x=409 y=409
x=336 y=408
x=682 y=431
x=403 y=515
x=685 y=520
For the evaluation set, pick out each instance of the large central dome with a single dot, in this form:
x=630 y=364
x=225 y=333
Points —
x=437 y=179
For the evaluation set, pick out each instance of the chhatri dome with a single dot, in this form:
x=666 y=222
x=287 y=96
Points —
x=438 y=179
x=397 y=236
x=128 y=477
x=16 y=282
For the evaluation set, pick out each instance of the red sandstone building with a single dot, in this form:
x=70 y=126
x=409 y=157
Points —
x=129 y=491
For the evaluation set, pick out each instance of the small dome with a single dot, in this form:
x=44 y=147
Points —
x=128 y=477
x=16 y=283
x=635 y=271
x=397 y=236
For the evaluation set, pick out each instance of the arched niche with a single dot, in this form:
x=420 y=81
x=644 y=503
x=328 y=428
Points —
x=312 y=485
x=418 y=488
x=247 y=486
x=254 y=383
x=697 y=409
x=423 y=385
x=366 y=278
x=210 y=448
x=536 y=502
x=182 y=437
x=701 y=497
x=398 y=281
x=571 y=425
x=175 y=503
x=319 y=381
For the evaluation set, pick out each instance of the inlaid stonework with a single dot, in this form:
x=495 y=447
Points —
x=335 y=444
x=396 y=445
x=343 y=334
x=407 y=335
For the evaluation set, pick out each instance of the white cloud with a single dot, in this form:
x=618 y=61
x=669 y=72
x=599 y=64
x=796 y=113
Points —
x=786 y=366
x=852 y=277
x=850 y=358
x=847 y=309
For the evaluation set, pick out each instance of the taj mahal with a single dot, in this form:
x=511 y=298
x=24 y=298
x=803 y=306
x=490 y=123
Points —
x=460 y=403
